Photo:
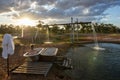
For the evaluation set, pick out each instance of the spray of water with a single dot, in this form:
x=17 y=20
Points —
x=48 y=36
x=96 y=47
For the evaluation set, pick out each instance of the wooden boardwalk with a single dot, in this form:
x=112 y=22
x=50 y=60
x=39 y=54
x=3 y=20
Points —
x=41 y=68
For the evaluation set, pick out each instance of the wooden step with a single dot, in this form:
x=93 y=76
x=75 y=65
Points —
x=34 y=68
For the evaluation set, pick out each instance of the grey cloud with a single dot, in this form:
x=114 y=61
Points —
x=62 y=8
x=96 y=8
x=5 y=5
x=21 y=4
x=74 y=11
x=55 y=12
x=43 y=2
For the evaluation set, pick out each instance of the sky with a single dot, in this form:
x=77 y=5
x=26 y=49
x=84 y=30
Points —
x=59 y=11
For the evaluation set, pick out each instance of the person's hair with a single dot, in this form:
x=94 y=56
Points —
x=32 y=47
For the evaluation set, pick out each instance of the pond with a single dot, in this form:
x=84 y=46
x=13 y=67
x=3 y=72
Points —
x=90 y=64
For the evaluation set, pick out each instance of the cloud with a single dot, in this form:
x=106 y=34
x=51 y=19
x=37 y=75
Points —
x=4 y=5
x=44 y=2
x=58 y=9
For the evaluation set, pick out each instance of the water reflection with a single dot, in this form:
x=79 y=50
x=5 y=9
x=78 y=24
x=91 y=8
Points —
x=92 y=64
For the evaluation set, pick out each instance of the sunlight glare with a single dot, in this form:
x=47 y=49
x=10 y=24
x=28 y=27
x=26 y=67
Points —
x=26 y=22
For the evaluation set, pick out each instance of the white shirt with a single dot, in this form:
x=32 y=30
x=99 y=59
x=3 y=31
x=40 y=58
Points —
x=7 y=45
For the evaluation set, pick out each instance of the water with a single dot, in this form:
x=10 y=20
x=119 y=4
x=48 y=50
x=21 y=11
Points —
x=90 y=64
x=96 y=47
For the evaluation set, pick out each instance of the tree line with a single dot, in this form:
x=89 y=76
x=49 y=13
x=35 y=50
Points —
x=56 y=29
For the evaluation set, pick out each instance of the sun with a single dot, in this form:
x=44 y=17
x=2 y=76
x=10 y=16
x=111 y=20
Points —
x=26 y=22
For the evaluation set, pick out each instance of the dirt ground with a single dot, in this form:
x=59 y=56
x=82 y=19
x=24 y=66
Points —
x=18 y=59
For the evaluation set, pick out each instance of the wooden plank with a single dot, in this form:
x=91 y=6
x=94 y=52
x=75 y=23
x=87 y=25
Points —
x=64 y=62
x=37 y=67
x=67 y=64
x=34 y=68
x=29 y=72
x=33 y=71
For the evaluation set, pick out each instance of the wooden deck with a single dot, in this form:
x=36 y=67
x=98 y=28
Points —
x=46 y=55
x=41 y=68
